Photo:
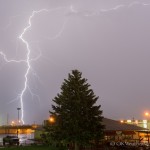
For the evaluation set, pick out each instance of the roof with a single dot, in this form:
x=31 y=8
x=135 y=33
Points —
x=113 y=125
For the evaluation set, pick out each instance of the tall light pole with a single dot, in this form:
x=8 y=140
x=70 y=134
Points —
x=147 y=114
x=18 y=120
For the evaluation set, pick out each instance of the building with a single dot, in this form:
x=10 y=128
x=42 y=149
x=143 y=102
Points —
x=141 y=123
x=125 y=131
x=120 y=130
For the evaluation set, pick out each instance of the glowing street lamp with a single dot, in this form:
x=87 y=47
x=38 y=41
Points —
x=121 y=121
x=147 y=114
x=52 y=119
x=146 y=122
x=12 y=123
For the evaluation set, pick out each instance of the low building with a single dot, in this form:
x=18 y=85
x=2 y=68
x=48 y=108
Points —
x=141 y=123
x=116 y=130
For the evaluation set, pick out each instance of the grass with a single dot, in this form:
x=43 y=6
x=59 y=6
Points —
x=30 y=148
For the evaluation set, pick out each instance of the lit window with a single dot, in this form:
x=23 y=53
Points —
x=144 y=121
x=129 y=121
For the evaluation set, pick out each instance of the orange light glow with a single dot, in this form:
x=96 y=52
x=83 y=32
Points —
x=146 y=114
x=52 y=119
x=121 y=121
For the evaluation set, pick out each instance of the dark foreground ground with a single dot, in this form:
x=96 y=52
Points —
x=29 y=148
x=54 y=148
x=46 y=147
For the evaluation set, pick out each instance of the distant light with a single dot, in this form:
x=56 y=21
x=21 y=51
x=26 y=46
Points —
x=136 y=121
x=147 y=114
x=121 y=121
x=144 y=121
x=129 y=121
x=145 y=125
x=52 y=119
x=12 y=123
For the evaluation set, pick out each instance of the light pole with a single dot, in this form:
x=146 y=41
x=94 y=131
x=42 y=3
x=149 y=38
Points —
x=18 y=120
x=147 y=114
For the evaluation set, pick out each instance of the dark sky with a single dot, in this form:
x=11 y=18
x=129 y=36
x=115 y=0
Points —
x=107 y=40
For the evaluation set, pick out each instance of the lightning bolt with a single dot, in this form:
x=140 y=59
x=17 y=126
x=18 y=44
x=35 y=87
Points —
x=109 y=10
x=28 y=56
x=29 y=51
x=27 y=61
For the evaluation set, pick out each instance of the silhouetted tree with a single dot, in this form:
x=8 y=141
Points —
x=77 y=117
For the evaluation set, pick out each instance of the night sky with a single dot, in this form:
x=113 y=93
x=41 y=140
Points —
x=41 y=41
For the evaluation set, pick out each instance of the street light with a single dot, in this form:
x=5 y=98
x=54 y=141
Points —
x=18 y=120
x=12 y=123
x=122 y=121
x=52 y=119
x=147 y=114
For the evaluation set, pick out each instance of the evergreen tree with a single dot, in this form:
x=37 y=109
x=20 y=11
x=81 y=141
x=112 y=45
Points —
x=77 y=118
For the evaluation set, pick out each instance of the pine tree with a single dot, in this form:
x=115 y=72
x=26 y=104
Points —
x=78 y=119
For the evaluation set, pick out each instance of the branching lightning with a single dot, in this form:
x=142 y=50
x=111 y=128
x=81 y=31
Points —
x=9 y=61
x=28 y=59
x=109 y=10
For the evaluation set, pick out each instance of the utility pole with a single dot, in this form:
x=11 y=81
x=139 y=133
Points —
x=7 y=123
x=18 y=120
